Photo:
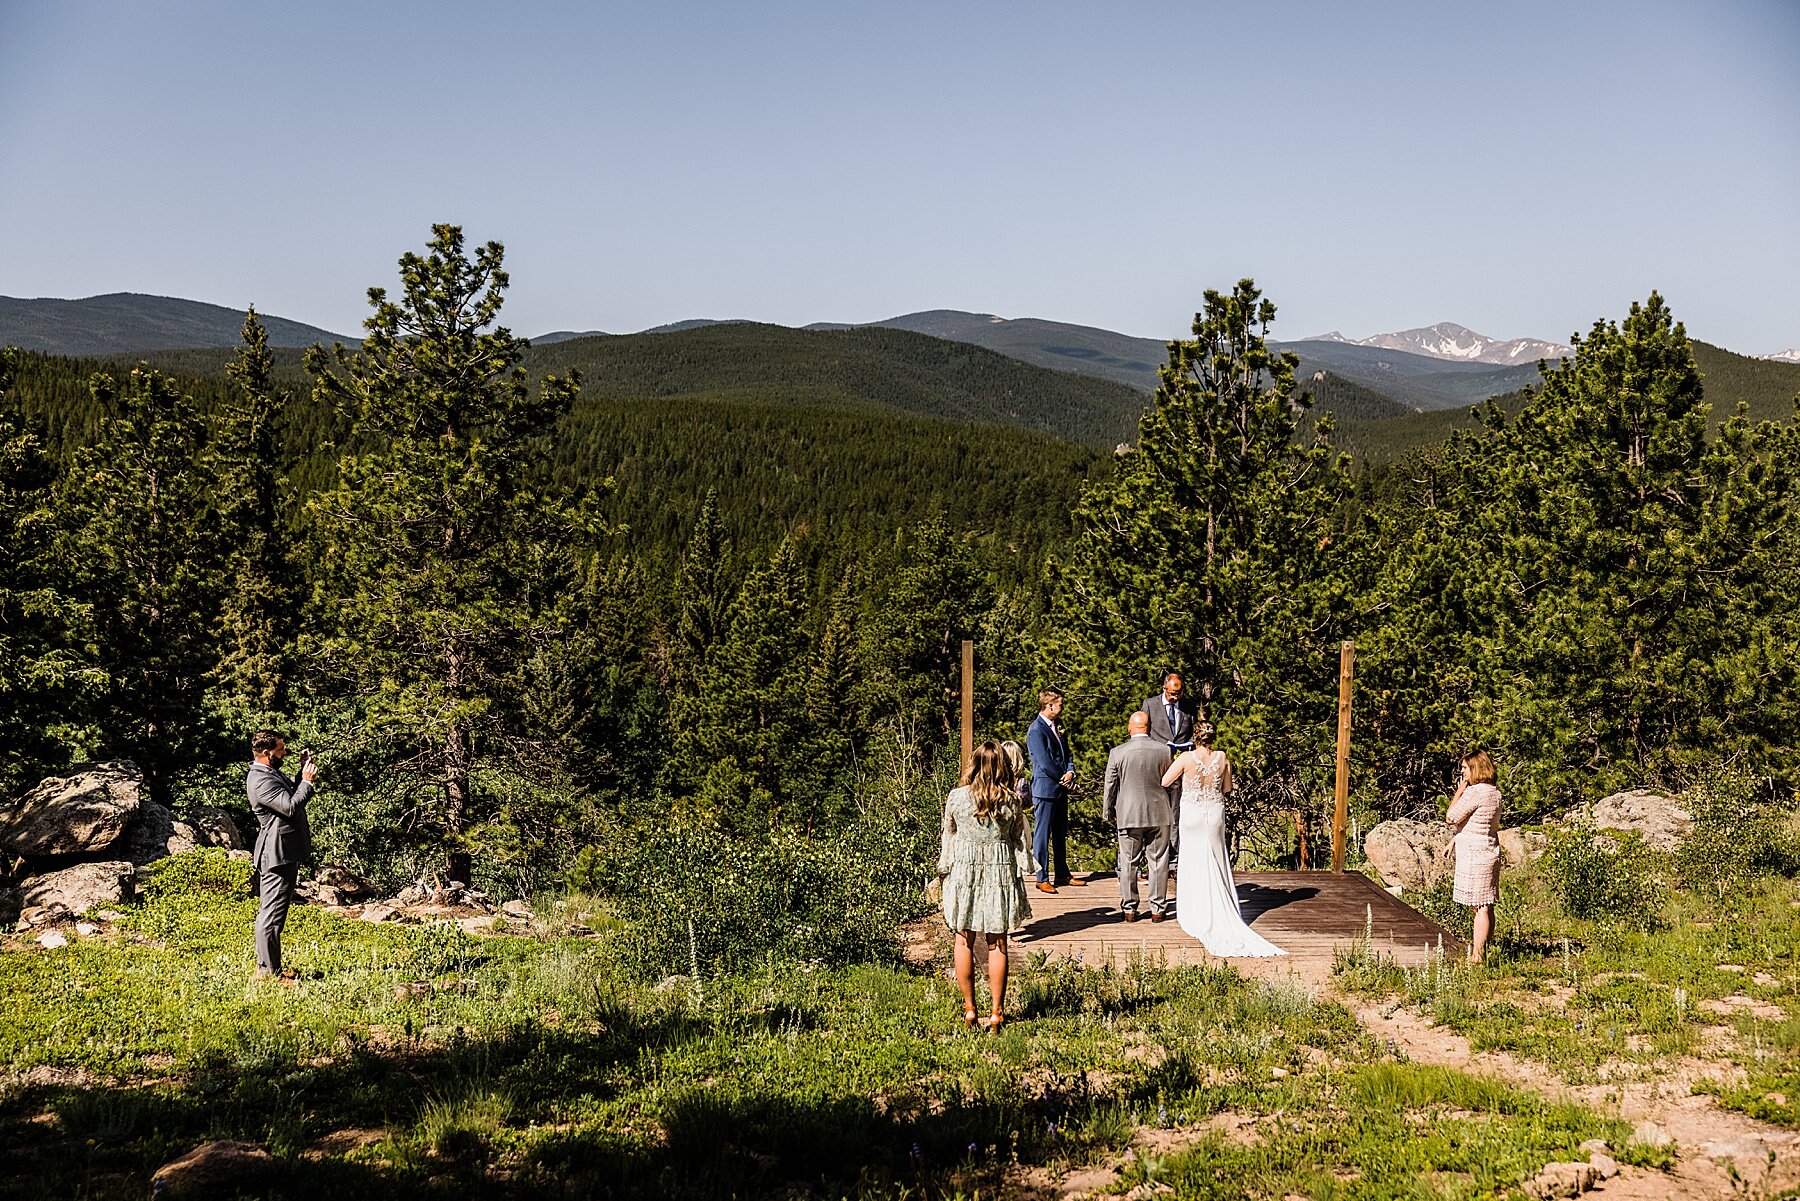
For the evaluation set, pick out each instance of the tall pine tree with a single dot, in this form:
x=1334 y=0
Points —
x=442 y=547
x=256 y=621
x=1211 y=550
x=48 y=676
x=140 y=547
x=1614 y=554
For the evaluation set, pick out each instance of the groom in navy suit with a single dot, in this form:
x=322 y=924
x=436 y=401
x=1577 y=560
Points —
x=1052 y=771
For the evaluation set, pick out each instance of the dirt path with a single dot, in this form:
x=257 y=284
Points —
x=1710 y=1142
x=1721 y=1155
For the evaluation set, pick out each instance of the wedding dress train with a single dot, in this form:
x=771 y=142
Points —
x=1206 y=902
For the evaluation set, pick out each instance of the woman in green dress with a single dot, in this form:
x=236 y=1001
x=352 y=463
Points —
x=983 y=861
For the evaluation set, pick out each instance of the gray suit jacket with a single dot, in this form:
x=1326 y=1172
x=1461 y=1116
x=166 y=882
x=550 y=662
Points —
x=1180 y=737
x=279 y=805
x=1134 y=796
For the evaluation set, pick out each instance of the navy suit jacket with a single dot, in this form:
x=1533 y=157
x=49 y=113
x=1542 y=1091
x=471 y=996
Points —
x=1050 y=758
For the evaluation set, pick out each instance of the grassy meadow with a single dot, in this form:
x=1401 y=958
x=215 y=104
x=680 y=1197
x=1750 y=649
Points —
x=421 y=1060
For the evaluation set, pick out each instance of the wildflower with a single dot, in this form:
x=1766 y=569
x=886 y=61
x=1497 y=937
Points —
x=972 y=1148
x=1162 y=1115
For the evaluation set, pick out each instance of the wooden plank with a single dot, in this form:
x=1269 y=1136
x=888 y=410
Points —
x=1341 y=809
x=1308 y=914
x=968 y=704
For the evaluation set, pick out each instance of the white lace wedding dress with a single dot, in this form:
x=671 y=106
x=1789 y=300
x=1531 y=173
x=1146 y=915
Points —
x=1206 y=902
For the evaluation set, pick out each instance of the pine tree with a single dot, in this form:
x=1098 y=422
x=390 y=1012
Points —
x=1211 y=550
x=743 y=738
x=256 y=623
x=48 y=676
x=442 y=548
x=141 y=547
x=932 y=595
x=1618 y=547
x=702 y=592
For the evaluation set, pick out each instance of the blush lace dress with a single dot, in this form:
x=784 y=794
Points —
x=1476 y=815
x=1206 y=902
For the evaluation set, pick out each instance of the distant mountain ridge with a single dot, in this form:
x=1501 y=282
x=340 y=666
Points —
x=1439 y=367
x=1121 y=358
x=1414 y=380
x=1457 y=343
x=127 y=322
x=1791 y=355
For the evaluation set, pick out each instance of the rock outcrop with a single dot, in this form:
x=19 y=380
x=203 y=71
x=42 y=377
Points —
x=218 y=1169
x=1409 y=855
x=156 y=833
x=213 y=827
x=1661 y=819
x=333 y=885
x=1519 y=846
x=80 y=813
x=82 y=887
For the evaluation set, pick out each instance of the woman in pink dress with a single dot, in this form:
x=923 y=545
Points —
x=1475 y=812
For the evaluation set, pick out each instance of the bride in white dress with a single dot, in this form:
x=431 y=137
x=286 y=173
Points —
x=1206 y=902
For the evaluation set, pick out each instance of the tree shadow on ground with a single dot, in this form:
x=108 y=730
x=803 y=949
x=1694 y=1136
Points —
x=712 y=1138
x=61 y=1136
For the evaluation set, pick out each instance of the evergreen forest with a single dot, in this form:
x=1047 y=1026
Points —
x=678 y=620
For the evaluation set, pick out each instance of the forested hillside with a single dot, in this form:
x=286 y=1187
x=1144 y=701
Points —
x=133 y=323
x=779 y=460
x=725 y=575
x=1767 y=389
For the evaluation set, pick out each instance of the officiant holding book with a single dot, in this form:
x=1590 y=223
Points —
x=1171 y=717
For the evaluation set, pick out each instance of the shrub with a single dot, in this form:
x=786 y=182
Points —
x=1439 y=904
x=206 y=872
x=1607 y=877
x=1742 y=829
x=695 y=895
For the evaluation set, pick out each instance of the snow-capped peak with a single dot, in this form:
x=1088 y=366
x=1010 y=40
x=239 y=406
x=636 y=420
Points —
x=1448 y=340
x=1790 y=355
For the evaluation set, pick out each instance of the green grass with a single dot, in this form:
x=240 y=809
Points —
x=1575 y=994
x=413 y=1061
x=1388 y=1130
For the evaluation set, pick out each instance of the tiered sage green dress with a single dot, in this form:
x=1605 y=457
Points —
x=984 y=870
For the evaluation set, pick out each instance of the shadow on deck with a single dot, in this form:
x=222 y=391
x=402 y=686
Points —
x=1307 y=914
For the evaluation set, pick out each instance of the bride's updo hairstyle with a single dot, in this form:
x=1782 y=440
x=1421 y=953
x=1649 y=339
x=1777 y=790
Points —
x=990 y=781
x=1203 y=733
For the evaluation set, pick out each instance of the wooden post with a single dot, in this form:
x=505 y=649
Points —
x=968 y=704
x=1341 y=818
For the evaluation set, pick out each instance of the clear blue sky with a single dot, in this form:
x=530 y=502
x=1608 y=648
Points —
x=1523 y=168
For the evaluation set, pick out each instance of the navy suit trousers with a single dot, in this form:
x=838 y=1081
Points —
x=1051 y=813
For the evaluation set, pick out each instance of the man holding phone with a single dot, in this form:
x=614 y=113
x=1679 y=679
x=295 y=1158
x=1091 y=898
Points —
x=283 y=839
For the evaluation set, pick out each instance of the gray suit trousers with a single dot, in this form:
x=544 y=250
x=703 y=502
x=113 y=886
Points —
x=1152 y=842
x=276 y=884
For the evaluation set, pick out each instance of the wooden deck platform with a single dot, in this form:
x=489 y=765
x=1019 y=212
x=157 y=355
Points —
x=1306 y=914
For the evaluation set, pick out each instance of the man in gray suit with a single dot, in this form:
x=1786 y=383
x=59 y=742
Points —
x=1136 y=802
x=283 y=839
x=1171 y=718
x=1171 y=722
